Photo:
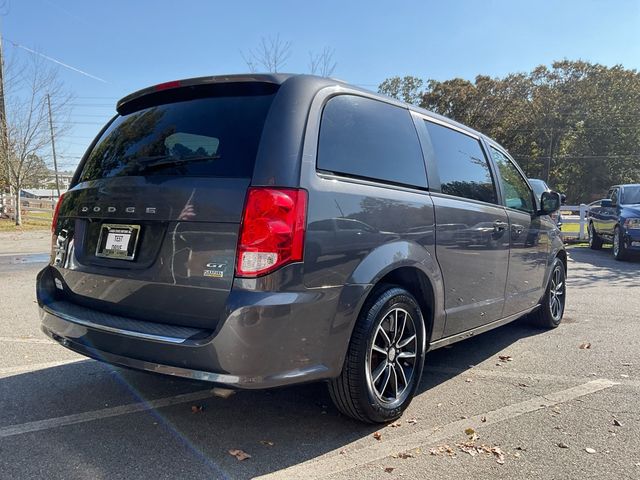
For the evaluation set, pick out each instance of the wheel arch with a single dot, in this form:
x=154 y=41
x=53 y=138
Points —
x=405 y=264
x=562 y=255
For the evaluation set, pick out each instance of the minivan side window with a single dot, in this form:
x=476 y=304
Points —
x=462 y=165
x=367 y=138
x=516 y=192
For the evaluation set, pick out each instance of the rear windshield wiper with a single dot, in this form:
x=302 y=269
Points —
x=151 y=163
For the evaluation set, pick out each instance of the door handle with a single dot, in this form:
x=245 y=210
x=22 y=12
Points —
x=499 y=226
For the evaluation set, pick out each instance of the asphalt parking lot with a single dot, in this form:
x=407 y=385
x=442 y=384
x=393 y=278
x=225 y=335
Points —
x=538 y=404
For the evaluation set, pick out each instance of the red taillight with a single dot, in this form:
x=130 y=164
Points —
x=167 y=85
x=272 y=230
x=56 y=212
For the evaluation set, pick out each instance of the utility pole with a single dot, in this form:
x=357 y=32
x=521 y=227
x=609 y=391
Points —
x=53 y=146
x=549 y=158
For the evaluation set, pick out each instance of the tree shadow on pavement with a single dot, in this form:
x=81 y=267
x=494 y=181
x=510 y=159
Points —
x=588 y=266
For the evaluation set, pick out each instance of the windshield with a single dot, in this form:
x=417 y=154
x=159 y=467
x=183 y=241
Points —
x=631 y=195
x=539 y=186
x=212 y=136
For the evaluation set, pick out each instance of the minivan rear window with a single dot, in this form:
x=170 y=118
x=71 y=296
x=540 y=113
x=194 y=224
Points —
x=210 y=136
x=369 y=139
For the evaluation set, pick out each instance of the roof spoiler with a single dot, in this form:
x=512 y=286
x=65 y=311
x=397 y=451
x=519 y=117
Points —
x=139 y=99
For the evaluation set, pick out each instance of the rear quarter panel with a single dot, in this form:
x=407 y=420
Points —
x=394 y=227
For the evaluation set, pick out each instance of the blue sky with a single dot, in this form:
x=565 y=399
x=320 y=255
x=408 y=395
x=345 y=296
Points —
x=133 y=44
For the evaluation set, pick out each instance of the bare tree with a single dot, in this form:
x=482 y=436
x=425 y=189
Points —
x=322 y=63
x=28 y=132
x=271 y=55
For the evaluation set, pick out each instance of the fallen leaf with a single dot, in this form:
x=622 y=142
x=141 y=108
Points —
x=267 y=443
x=617 y=423
x=563 y=445
x=469 y=431
x=239 y=454
x=342 y=452
x=590 y=450
x=405 y=455
x=468 y=380
x=377 y=435
x=395 y=424
x=505 y=358
x=223 y=392
x=442 y=450
x=197 y=408
x=585 y=346
x=497 y=452
x=468 y=448
x=389 y=469
x=483 y=419
x=413 y=421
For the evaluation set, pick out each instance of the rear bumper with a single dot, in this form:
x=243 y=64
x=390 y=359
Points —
x=266 y=339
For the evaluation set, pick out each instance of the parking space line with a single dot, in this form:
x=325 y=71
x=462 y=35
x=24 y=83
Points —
x=520 y=376
x=334 y=462
x=57 y=422
x=27 y=340
x=9 y=371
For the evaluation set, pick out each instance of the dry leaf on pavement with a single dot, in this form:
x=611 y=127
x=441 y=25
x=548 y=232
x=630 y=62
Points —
x=405 y=455
x=590 y=450
x=395 y=424
x=616 y=422
x=239 y=454
x=389 y=469
x=497 y=452
x=377 y=435
x=442 y=450
x=585 y=346
x=267 y=443
x=505 y=358
x=197 y=408
x=223 y=392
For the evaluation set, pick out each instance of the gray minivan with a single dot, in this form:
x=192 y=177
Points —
x=265 y=230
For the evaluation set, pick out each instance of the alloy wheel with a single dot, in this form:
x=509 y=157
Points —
x=557 y=294
x=392 y=357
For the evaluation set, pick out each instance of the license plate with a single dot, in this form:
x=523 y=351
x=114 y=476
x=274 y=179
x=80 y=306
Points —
x=118 y=241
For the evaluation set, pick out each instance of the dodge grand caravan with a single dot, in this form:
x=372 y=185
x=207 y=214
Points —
x=264 y=230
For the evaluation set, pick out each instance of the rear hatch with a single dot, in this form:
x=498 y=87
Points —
x=149 y=230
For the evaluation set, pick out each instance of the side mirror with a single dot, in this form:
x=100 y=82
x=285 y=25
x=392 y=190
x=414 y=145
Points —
x=563 y=199
x=549 y=203
x=606 y=203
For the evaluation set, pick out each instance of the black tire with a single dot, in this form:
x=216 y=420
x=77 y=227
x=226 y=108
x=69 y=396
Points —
x=355 y=392
x=549 y=314
x=620 y=251
x=595 y=242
